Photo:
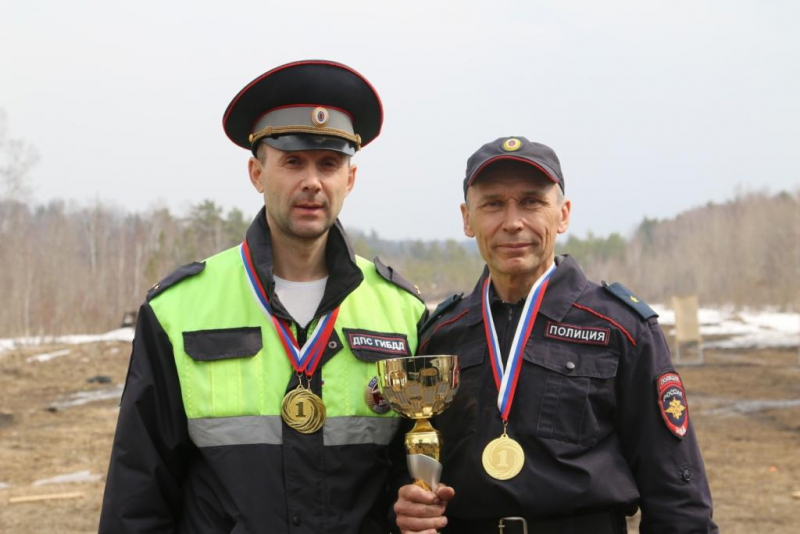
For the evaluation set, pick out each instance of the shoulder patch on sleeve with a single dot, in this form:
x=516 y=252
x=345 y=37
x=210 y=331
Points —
x=176 y=276
x=626 y=296
x=394 y=277
x=443 y=307
x=672 y=403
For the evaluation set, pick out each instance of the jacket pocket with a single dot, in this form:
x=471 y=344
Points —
x=471 y=355
x=576 y=390
x=222 y=344
x=460 y=419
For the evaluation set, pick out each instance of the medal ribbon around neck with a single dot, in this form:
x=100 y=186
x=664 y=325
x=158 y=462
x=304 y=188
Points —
x=305 y=359
x=506 y=377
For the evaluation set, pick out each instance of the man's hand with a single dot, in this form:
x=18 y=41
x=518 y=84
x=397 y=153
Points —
x=420 y=511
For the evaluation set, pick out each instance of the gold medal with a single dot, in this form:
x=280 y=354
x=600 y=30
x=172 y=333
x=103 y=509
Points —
x=503 y=458
x=303 y=411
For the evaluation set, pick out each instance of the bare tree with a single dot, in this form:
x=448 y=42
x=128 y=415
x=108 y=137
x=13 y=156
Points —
x=16 y=159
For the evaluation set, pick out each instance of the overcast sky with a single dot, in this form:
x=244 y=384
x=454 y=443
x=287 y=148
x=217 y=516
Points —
x=652 y=106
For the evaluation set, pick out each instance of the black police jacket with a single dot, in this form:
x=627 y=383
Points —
x=587 y=413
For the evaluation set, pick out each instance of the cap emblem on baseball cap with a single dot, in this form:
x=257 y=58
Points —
x=537 y=155
x=320 y=117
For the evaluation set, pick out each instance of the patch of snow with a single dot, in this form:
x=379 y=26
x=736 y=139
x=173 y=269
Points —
x=6 y=345
x=746 y=329
x=48 y=356
x=750 y=406
x=788 y=323
x=85 y=397
x=727 y=328
x=757 y=340
x=80 y=476
x=120 y=334
x=706 y=316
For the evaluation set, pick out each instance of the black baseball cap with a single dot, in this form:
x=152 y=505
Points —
x=515 y=148
x=306 y=105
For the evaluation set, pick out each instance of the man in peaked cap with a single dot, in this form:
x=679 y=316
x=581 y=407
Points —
x=251 y=403
x=570 y=414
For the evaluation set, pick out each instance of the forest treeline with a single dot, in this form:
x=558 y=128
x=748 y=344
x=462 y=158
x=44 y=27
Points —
x=68 y=269
x=744 y=252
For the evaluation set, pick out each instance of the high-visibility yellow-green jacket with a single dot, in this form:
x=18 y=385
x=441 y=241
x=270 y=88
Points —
x=200 y=443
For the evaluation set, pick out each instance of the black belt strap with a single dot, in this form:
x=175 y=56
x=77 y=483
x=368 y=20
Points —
x=602 y=523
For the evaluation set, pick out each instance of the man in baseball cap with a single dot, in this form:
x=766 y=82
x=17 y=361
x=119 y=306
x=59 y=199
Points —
x=570 y=414
x=225 y=426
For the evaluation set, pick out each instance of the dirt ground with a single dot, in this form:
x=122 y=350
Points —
x=751 y=449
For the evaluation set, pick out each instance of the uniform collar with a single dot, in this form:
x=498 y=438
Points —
x=565 y=286
x=344 y=275
x=495 y=300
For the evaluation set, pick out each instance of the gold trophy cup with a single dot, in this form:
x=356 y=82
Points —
x=419 y=387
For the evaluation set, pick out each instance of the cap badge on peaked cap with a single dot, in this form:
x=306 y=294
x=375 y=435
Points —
x=319 y=117
x=511 y=145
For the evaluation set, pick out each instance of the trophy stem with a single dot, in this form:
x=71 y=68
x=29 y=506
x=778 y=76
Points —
x=424 y=439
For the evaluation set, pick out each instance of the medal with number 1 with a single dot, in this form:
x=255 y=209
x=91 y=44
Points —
x=503 y=457
x=301 y=408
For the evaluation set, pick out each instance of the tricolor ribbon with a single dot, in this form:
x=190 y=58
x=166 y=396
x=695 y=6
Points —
x=305 y=359
x=506 y=376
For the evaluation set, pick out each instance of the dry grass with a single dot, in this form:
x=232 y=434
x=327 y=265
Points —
x=752 y=458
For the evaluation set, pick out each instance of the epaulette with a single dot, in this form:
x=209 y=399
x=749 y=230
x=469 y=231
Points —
x=626 y=296
x=178 y=275
x=443 y=307
x=394 y=277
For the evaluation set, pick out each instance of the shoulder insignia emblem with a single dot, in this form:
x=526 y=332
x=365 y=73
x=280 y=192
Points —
x=374 y=399
x=388 y=273
x=176 y=276
x=626 y=296
x=443 y=307
x=672 y=403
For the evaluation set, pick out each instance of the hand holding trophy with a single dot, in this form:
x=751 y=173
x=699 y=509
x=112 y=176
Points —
x=419 y=387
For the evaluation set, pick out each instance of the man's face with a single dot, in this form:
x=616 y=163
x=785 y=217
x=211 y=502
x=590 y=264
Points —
x=513 y=212
x=303 y=191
